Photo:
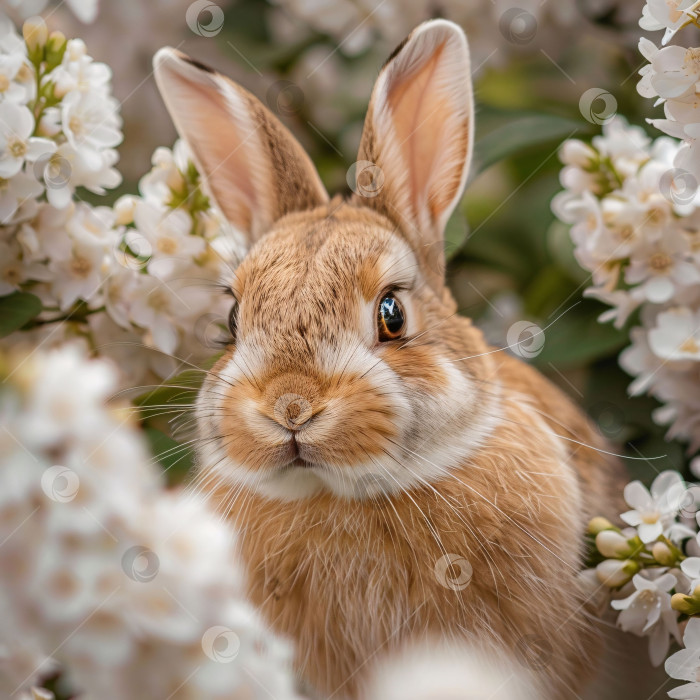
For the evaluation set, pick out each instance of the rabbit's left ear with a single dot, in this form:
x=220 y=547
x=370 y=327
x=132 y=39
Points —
x=254 y=168
x=419 y=133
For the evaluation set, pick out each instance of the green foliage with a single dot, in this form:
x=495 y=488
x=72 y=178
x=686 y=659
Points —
x=16 y=310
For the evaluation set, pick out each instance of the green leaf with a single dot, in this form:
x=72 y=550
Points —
x=577 y=338
x=175 y=459
x=17 y=309
x=521 y=134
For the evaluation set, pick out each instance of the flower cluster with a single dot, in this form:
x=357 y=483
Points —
x=652 y=568
x=635 y=224
x=125 y=279
x=672 y=76
x=130 y=590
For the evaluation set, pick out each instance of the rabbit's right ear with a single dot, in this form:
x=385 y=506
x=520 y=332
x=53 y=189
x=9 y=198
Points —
x=417 y=140
x=253 y=167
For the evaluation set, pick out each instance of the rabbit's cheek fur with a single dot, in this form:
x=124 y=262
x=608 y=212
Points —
x=381 y=426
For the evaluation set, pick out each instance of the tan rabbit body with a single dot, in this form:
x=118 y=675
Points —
x=390 y=475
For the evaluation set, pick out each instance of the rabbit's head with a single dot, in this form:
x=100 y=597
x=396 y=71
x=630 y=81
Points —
x=348 y=370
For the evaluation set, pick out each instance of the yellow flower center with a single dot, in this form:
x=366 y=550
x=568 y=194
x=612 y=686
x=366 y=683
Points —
x=17 y=147
x=167 y=245
x=650 y=517
x=4 y=83
x=81 y=267
x=660 y=262
x=12 y=274
x=690 y=345
x=75 y=124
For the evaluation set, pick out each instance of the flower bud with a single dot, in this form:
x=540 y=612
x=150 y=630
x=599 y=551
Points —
x=663 y=554
x=35 y=34
x=55 y=48
x=687 y=604
x=124 y=209
x=575 y=152
x=612 y=544
x=598 y=525
x=615 y=573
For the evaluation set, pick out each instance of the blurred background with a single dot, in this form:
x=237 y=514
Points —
x=314 y=62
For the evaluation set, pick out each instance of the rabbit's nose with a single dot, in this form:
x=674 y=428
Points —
x=292 y=411
x=290 y=400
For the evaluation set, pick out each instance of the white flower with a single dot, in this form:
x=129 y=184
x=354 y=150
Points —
x=169 y=233
x=16 y=191
x=79 y=276
x=654 y=512
x=676 y=335
x=17 y=145
x=668 y=14
x=11 y=89
x=672 y=72
x=662 y=266
x=154 y=306
x=79 y=72
x=648 y=612
x=684 y=665
x=14 y=271
x=91 y=125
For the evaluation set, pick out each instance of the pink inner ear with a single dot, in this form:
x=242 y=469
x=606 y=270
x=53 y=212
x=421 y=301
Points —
x=220 y=149
x=422 y=110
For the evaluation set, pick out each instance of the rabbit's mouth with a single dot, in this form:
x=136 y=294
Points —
x=299 y=462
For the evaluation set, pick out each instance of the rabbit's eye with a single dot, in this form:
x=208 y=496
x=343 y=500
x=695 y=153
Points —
x=390 y=318
x=233 y=320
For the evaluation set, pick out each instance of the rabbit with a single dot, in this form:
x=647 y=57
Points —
x=390 y=476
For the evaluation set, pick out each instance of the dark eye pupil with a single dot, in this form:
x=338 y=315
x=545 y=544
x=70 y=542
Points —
x=233 y=320
x=391 y=317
